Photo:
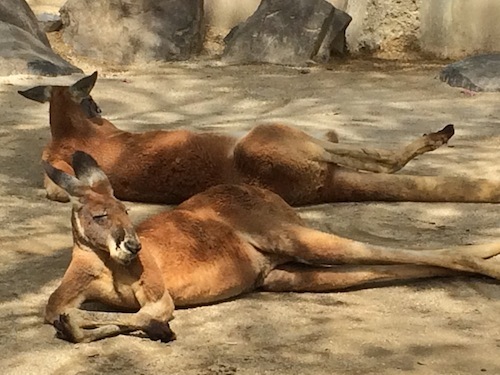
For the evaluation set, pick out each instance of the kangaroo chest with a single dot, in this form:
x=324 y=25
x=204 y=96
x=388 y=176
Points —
x=117 y=289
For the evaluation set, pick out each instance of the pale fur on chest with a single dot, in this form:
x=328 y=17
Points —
x=118 y=289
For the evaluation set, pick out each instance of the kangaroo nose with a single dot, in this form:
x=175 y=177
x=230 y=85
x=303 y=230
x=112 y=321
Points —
x=133 y=245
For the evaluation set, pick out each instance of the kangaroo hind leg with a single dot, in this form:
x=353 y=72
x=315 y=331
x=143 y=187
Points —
x=306 y=278
x=313 y=246
x=380 y=160
x=304 y=170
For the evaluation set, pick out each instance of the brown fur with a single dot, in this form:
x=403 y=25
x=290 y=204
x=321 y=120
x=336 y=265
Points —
x=218 y=244
x=171 y=166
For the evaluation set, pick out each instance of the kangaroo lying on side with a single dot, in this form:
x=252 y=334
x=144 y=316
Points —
x=226 y=241
x=171 y=166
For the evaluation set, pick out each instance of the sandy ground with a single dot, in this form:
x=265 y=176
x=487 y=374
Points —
x=445 y=326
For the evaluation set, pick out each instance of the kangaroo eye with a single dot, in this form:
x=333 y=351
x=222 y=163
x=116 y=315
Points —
x=99 y=217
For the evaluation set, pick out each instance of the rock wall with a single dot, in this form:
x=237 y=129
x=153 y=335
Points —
x=383 y=28
x=134 y=31
x=380 y=28
x=458 y=28
x=223 y=15
x=49 y=6
x=397 y=28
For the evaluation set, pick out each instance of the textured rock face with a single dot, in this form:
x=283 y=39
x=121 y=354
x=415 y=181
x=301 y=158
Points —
x=18 y=13
x=127 y=31
x=383 y=28
x=49 y=22
x=460 y=28
x=288 y=32
x=24 y=48
x=477 y=73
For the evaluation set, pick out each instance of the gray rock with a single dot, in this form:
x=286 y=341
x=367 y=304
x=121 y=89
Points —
x=49 y=22
x=288 y=32
x=476 y=73
x=18 y=13
x=127 y=31
x=24 y=47
x=22 y=53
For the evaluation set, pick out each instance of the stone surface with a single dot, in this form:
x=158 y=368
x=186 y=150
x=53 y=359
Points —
x=477 y=73
x=455 y=29
x=383 y=28
x=24 y=47
x=22 y=53
x=394 y=29
x=49 y=22
x=128 y=31
x=288 y=32
x=226 y=14
x=48 y=6
x=18 y=13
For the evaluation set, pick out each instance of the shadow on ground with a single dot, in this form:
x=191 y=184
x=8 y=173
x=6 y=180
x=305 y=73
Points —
x=429 y=327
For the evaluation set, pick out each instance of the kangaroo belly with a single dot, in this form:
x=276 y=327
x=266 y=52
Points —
x=211 y=282
x=170 y=169
x=201 y=258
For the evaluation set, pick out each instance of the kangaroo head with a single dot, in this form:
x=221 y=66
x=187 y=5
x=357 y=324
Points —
x=79 y=93
x=100 y=221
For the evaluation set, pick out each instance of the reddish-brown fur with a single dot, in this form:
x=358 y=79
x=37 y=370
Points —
x=136 y=162
x=171 y=166
x=218 y=244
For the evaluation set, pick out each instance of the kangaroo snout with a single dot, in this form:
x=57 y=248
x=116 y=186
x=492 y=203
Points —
x=133 y=245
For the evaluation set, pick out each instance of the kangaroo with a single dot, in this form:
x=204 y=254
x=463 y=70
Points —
x=218 y=244
x=171 y=166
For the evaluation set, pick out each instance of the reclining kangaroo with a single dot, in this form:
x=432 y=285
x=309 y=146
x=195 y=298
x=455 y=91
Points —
x=171 y=166
x=226 y=241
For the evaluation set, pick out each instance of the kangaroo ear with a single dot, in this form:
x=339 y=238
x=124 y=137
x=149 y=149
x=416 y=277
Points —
x=82 y=88
x=88 y=172
x=69 y=183
x=39 y=94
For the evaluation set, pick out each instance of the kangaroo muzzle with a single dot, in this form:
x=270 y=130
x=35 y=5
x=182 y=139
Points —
x=132 y=245
x=124 y=248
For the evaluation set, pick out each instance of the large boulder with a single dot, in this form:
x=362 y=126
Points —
x=18 y=13
x=288 y=32
x=128 y=31
x=476 y=73
x=24 y=48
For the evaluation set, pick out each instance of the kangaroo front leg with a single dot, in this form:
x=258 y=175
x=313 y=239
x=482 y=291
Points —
x=69 y=330
x=305 y=278
x=74 y=287
x=77 y=325
x=379 y=160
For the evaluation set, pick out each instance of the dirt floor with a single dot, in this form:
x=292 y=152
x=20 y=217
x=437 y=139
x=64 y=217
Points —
x=441 y=326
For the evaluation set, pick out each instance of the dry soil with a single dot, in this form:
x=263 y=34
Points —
x=441 y=326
